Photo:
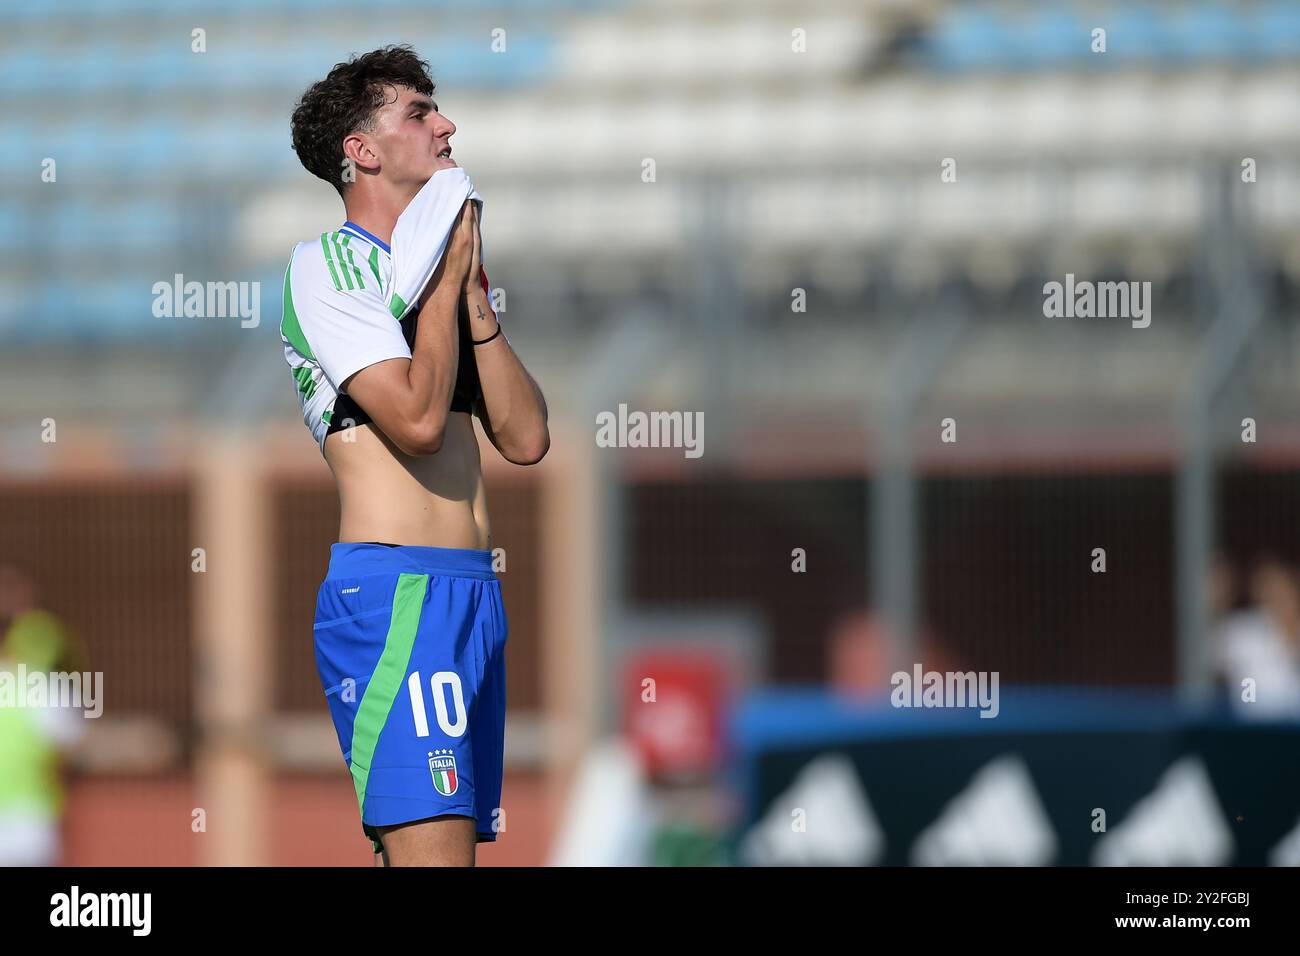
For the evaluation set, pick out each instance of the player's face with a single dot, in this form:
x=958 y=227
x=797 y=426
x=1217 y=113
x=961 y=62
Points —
x=410 y=134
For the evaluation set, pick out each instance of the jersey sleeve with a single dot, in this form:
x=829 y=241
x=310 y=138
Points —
x=421 y=233
x=334 y=302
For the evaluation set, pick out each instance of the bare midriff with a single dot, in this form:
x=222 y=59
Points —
x=435 y=501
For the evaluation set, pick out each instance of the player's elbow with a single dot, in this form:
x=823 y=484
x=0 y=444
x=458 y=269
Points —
x=422 y=438
x=533 y=452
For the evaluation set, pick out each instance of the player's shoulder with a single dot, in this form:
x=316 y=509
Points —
x=331 y=261
x=306 y=263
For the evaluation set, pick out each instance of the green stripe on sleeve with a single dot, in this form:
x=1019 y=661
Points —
x=386 y=681
x=289 y=326
x=329 y=261
x=351 y=261
x=397 y=307
x=306 y=384
x=343 y=266
x=374 y=267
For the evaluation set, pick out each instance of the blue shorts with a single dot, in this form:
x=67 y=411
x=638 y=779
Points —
x=410 y=647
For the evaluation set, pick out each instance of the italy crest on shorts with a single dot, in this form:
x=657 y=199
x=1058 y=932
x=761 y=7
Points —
x=442 y=764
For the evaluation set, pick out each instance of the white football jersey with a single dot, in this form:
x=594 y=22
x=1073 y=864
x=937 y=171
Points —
x=347 y=294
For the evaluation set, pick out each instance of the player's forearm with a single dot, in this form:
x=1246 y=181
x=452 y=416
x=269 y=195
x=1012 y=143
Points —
x=515 y=406
x=434 y=359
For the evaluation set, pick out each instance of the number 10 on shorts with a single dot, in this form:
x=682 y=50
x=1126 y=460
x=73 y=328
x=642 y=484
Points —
x=438 y=683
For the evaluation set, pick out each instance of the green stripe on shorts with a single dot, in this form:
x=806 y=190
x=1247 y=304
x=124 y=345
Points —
x=386 y=681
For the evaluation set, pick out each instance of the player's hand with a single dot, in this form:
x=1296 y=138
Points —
x=461 y=247
x=454 y=266
x=449 y=276
x=476 y=259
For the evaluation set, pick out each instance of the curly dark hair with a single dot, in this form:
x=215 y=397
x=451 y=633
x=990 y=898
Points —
x=346 y=102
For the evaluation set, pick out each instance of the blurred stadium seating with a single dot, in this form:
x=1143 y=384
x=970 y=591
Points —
x=774 y=170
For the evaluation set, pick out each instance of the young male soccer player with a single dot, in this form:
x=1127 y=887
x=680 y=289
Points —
x=393 y=344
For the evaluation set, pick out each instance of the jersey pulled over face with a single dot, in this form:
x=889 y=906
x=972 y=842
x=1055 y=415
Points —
x=349 y=302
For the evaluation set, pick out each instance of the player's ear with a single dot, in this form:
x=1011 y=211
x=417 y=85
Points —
x=358 y=148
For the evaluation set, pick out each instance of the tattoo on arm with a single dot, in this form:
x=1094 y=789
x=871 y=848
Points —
x=480 y=311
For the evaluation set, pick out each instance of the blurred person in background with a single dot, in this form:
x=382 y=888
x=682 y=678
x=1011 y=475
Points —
x=1260 y=643
x=32 y=737
x=860 y=657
